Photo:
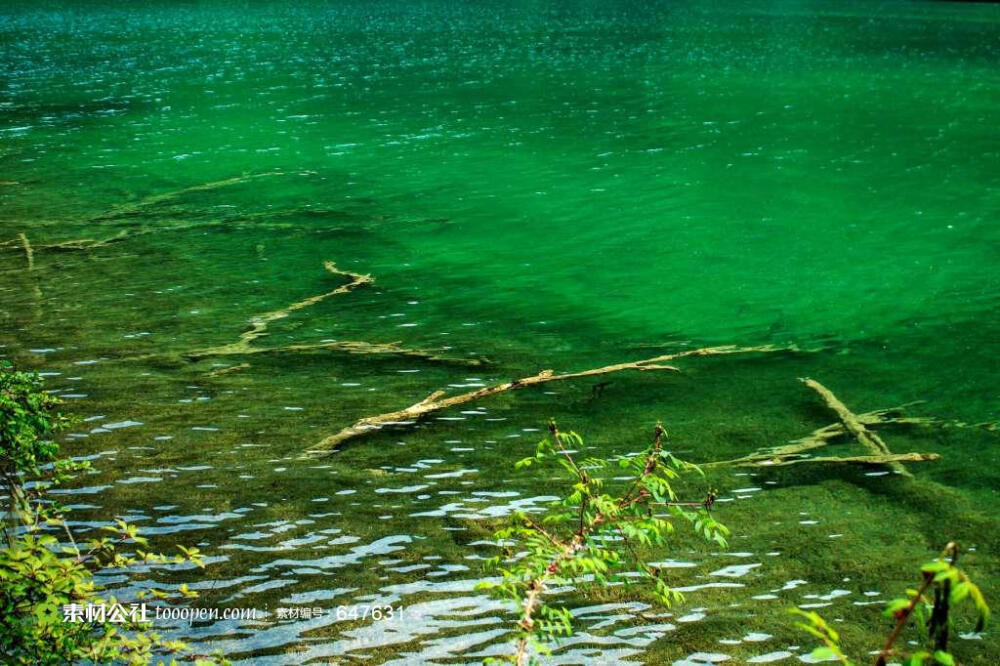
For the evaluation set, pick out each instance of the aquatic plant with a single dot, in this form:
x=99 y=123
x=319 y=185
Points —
x=54 y=611
x=592 y=535
x=931 y=607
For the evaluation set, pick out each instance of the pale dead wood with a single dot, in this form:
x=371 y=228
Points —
x=359 y=347
x=91 y=243
x=29 y=254
x=258 y=325
x=436 y=401
x=869 y=439
x=888 y=459
x=228 y=370
x=129 y=208
x=850 y=424
x=258 y=328
x=29 y=257
x=87 y=244
x=822 y=437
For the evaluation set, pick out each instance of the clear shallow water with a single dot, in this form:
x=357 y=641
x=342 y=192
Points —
x=543 y=186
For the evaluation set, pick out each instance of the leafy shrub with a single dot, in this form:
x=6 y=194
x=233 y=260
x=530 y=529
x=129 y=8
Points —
x=932 y=606
x=41 y=579
x=592 y=535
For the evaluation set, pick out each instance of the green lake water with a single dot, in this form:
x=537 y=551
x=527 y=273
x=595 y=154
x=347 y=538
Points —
x=542 y=185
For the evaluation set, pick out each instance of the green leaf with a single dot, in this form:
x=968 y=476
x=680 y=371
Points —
x=960 y=591
x=935 y=566
x=943 y=658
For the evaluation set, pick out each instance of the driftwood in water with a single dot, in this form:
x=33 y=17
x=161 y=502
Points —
x=888 y=459
x=359 y=347
x=29 y=254
x=259 y=324
x=870 y=440
x=92 y=243
x=227 y=370
x=126 y=209
x=851 y=424
x=87 y=244
x=244 y=346
x=29 y=258
x=437 y=401
x=84 y=244
x=129 y=208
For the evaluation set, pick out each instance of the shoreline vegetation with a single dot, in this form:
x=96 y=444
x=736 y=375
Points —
x=49 y=586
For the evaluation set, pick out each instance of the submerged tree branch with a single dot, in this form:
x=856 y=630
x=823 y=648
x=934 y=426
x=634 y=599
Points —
x=856 y=425
x=870 y=440
x=227 y=370
x=359 y=347
x=436 y=401
x=258 y=328
x=887 y=459
x=129 y=208
x=29 y=254
x=259 y=324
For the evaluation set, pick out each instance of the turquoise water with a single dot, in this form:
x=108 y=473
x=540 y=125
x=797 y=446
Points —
x=544 y=185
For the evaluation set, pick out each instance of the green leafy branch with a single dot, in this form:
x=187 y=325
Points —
x=943 y=587
x=41 y=577
x=593 y=535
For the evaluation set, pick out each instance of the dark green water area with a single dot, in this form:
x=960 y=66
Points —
x=545 y=185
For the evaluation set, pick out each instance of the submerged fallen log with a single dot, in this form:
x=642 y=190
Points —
x=227 y=370
x=867 y=438
x=130 y=208
x=437 y=401
x=29 y=259
x=888 y=459
x=152 y=200
x=259 y=324
x=29 y=253
x=92 y=243
x=851 y=424
x=258 y=328
x=87 y=244
x=359 y=347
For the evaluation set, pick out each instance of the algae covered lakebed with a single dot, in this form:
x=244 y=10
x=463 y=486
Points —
x=530 y=185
